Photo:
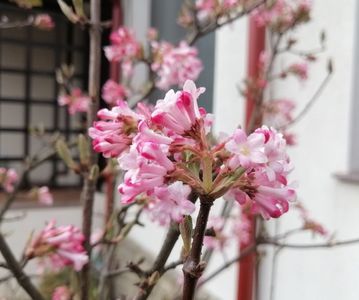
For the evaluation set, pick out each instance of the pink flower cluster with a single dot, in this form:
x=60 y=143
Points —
x=76 y=101
x=44 y=22
x=300 y=70
x=174 y=65
x=239 y=229
x=208 y=10
x=8 y=179
x=279 y=113
x=44 y=196
x=162 y=152
x=281 y=15
x=309 y=223
x=267 y=165
x=124 y=45
x=61 y=293
x=113 y=134
x=113 y=92
x=60 y=246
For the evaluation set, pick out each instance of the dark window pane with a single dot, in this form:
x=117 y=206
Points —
x=42 y=88
x=11 y=115
x=12 y=85
x=11 y=144
x=13 y=56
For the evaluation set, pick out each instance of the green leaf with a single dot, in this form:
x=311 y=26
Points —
x=79 y=8
x=186 y=228
x=28 y=3
x=68 y=11
x=94 y=172
x=84 y=149
x=64 y=152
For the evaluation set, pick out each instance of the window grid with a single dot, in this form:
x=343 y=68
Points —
x=62 y=49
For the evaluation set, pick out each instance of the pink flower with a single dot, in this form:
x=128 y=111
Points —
x=178 y=111
x=124 y=45
x=61 y=293
x=300 y=70
x=247 y=151
x=279 y=112
x=44 y=196
x=175 y=65
x=170 y=203
x=242 y=228
x=44 y=22
x=220 y=239
x=8 y=179
x=290 y=138
x=278 y=165
x=112 y=92
x=146 y=163
x=61 y=246
x=309 y=223
x=205 y=9
x=152 y=34
x=282 y=14
x=228 y=4
x=264 y=187
x=76 y=101
x=113 y=134
x=272 y=202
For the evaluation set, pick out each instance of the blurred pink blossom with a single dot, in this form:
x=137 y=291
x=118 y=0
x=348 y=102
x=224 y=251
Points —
x=59 y=246
x=8 y=179
x=61 y=293
x=44 y=22
x=300 y=70
x=44 y=196
x=124 y=45
x=76 y=101
x=174 y=65
x=112 y=92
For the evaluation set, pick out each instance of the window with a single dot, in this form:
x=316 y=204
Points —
x=29 y=58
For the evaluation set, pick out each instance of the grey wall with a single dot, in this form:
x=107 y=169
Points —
x=164 y=15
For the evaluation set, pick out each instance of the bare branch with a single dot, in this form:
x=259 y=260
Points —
x=330 y=244
x=200 y=32
x=244 y=253
x=88 y=191
x=310 y=103
x=17 y=270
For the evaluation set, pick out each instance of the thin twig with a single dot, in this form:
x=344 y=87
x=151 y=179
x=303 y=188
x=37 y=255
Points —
x=158 y=265
x=172 y=265
x=194 y=36
x=310 y=103
x=192 y=267
x=33 y=163
x=330 y=244
x=88 y=191
x=245 y=252
x=17 y=271
x=225 y=213
x=162 y=257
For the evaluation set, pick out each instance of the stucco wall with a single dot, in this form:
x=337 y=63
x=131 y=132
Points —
x=323 y=138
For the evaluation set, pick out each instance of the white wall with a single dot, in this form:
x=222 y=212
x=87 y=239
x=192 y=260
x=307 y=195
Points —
x=322 y=151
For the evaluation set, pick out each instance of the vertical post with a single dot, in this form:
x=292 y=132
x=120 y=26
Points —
x=247 y=266
x=89 y=187
x=117 y=20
